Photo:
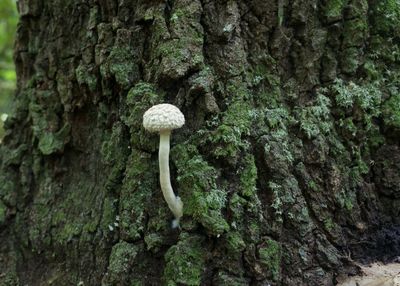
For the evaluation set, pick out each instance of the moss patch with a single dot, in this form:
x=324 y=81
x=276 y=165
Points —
x=185 y=261
x=248 y=178
x=140 y=98
x=122 y=259
x=198 y=188
x=139 y=187
x=334 y=9
x=270 y=257
x=236 y=123
x=391 y=112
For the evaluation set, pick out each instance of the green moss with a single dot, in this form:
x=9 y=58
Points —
x=50 y=143
x=154 y=241
x=185 y=261
x=234 y=242
x=115 y=151
x=183 y=51
x=355 y=32
x=109 y=216
x=85 y=75
x=248 y=178
x=198 y=188
x=69 y=231
x=140 y=185
x=386 y=16
x=10 y=279
x=350 y=60
x=122 y=259
x=368 y=97
x=314 y=186
x=3 y=210
x=334 y=9
x=7 y=188
x=277 y=151
x=14 y=156
x=346 y=199
x=315 y=119
x=270 y=257
x=140 y=98
x=121 y=63
x=391 y=112
x=235 y=124
x=122 y=66
x=329 y=224
x=47 y=127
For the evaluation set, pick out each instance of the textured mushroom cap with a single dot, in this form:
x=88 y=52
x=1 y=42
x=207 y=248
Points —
x=163 y=117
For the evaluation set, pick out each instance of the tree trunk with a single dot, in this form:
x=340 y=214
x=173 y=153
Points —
x=288 y=165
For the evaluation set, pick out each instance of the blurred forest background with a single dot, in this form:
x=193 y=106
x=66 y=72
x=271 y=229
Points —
x=8 y=24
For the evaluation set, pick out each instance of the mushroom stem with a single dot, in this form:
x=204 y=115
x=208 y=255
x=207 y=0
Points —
x=174 y=202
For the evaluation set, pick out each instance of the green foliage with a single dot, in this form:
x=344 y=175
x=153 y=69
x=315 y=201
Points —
x=185 y=261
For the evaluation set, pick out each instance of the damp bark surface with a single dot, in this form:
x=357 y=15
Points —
x=288 y=165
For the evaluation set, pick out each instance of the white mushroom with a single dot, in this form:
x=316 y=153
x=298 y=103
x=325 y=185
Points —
x=164 y=118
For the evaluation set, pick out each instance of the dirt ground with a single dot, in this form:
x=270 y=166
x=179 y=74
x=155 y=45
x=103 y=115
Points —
x=376 y=274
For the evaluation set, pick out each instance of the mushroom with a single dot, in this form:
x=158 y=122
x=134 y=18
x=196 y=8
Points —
x=163 y=118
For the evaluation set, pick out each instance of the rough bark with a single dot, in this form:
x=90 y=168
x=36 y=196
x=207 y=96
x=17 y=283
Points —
x=288 y=165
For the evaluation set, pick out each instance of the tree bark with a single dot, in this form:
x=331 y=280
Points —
x=288 y=165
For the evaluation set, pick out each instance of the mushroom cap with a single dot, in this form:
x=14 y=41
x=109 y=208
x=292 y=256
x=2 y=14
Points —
x=162 y=117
